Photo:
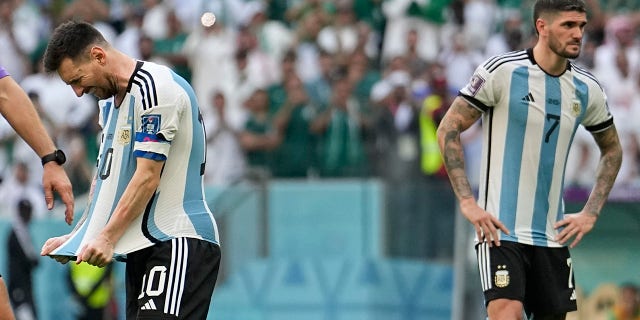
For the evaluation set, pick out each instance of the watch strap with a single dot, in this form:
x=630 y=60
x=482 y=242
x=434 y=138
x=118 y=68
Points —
x=50 y=157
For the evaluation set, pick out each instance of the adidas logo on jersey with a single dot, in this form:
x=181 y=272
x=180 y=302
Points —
x=528 y=98
x=150 y=305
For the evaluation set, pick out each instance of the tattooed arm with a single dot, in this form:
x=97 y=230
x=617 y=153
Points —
x=610 y=161
x=460 y=116
x=579 y=224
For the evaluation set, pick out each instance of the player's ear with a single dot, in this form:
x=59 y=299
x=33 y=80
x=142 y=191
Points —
x=541 y=25
x=98 y=54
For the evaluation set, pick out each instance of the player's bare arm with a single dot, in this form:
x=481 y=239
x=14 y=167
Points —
x=577 y=225
x=460 y=116
x=610 y=161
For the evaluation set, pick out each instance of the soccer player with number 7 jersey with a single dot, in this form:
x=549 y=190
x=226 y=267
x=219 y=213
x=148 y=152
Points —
x=531 y=103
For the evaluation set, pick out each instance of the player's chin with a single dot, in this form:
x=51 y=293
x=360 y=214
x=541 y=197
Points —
x=572 y=52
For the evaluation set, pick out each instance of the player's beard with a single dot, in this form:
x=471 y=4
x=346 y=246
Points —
x=558 y=48
x=104 y=93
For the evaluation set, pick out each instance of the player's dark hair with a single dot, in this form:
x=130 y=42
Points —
x=542 y=7
x=70 y=40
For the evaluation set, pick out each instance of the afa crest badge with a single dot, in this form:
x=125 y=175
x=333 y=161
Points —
x=124 y=135
x=501 y=277
x=575 y=108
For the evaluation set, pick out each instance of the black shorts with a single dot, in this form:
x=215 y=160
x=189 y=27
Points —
x=540 y=277
x=172 y=280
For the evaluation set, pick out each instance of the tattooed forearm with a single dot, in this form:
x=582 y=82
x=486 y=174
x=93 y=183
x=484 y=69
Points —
x=459 y=117
x=610 y=161
x=453 y=155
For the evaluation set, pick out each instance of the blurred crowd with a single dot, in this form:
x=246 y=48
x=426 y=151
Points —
x=306 y=88
x=609 y=301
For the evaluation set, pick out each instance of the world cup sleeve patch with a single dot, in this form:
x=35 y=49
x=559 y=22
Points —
x=475 y=84
x=151 y=124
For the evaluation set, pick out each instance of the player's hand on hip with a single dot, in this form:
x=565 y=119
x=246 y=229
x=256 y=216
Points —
x=574 y=226
x=486 y=225
x=54 y=179
x=97 y=252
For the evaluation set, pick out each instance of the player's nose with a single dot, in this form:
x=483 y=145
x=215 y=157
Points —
x=79 y=91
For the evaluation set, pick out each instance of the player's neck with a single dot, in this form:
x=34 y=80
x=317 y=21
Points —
x=124 y=68
x=548 y=60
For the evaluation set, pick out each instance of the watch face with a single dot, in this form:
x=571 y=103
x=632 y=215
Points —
x=60 y=157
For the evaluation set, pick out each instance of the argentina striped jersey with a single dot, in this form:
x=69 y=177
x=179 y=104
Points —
x=158 y=119
x=529 y=121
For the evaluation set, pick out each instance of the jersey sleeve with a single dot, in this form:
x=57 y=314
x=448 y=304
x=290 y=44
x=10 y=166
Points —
x=3 y=72
x=479 y=90
x=157 y=128
x=597 y=117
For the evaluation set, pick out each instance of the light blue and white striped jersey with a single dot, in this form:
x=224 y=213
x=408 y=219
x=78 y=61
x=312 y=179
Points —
x=158 y=119
x=529 y=121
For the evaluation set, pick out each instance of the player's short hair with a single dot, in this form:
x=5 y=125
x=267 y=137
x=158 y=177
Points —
x=542 y=7
x=70 y=40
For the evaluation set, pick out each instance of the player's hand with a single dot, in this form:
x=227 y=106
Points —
x=53 y=243
x=97 y=252
x=575 y=225
x=485 y=224
x=55 y=179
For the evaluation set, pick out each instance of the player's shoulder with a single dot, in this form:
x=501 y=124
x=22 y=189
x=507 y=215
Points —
x=511 y=59
x=163 y=76
x=156 y=84
x=154 y=71
x=584 y=75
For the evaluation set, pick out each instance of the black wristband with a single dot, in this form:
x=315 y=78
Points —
x=58 y=156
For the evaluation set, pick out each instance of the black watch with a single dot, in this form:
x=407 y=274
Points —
x=58 y=156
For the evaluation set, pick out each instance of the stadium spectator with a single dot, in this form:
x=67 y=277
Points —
x=628 y=305
x=340 y=126
x=272 y=37
x=344 y=35
x=20 y=187
x=510 y=36
x=92 y=288
x=296 y=155
x=24 y=260
x=210 y=50
x=170 y=47
x=224 y=152
x=154 y=22
x=478 y=22
x=19 y=37
x=128 y=40
x=95 y=12
x=319 y=88
x=617 y=66
x=305 y=45
x=259 y=138
x=301 y=9
x=426 y=18
x=460 y=60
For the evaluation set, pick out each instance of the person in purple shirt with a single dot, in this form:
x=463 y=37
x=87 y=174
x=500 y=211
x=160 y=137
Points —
x=17 y=109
